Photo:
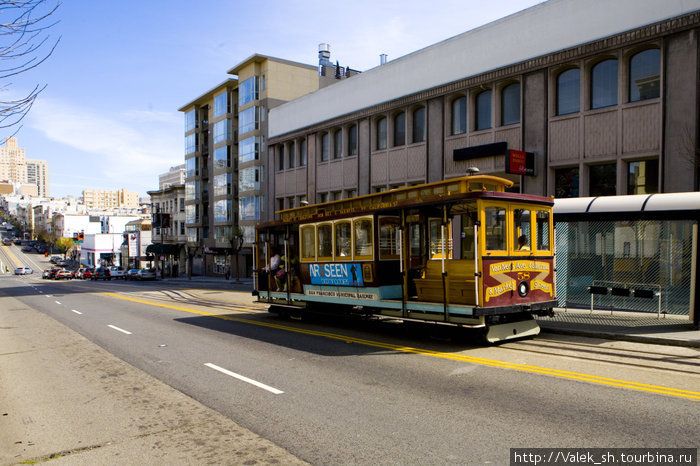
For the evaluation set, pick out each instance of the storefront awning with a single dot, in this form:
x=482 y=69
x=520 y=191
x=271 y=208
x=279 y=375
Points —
x=158 y=248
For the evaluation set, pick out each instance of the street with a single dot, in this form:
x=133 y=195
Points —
x=379 y=392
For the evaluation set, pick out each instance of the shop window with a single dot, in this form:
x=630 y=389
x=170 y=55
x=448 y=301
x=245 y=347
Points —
x=602 y=180
x=643 y=177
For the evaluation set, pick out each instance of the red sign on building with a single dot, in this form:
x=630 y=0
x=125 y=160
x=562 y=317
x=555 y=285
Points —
x=519 y=162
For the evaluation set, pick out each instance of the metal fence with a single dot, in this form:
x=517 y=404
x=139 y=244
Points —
x=654 y=256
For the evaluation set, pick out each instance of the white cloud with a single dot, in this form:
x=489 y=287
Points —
x=117 y=150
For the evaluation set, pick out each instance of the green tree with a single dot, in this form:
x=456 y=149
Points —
x=64 y=244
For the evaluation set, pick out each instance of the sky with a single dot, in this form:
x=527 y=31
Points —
x=108 y=117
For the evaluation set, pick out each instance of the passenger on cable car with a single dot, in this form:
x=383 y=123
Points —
x=522 y=243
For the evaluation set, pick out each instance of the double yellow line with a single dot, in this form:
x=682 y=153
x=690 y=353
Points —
x=12 y=256
x=437 y=354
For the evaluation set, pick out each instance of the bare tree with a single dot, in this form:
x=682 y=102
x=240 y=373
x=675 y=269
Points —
x=25 y=45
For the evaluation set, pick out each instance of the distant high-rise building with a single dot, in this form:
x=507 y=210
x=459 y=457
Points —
x=38 y=174
x=13 y=164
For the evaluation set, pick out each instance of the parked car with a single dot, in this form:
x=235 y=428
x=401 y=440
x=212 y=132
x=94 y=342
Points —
x=50 y=273
x=23 y=271
x=147 y=274
x=132 y=274
x=7 y=241
x=101 y=273
x=84 y=273
x=55 y=259
x=117 y=272
x=63 y=273
x=27 y=249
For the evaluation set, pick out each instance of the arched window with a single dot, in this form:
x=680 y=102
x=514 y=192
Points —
x=400 y=129
x=569 y=92
x=510 y=104
x=604 y=84
x=338 y=144
x=459 y=115
x=418 y=125
x=381 y=134
x=483 y=110
x=325 y=147
x=645 y=75
x=352 y=140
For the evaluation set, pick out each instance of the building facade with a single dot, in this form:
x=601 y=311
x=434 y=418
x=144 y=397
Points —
x=110 y=200
x=567 y=98
x=169 y=228
x=225 y=166
x=13 y=162
x=38 y=174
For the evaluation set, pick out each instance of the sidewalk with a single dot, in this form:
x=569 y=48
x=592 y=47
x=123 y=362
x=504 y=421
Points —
x=64 y=399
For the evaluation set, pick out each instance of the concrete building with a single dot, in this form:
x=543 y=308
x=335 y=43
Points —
x=567 y=98
x=169 y=228
x=225 y=138
x=174 y=176
x=110 y=200
x=13 y=163
x=38 y=175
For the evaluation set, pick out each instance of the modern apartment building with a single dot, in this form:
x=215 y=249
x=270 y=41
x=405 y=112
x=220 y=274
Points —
x=38 y=174
x=567 y=98
x=225 y=138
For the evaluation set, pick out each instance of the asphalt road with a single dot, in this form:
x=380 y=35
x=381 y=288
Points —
x=371 y=392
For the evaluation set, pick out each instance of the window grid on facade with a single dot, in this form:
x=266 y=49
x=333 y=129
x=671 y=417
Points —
x=381 y=134
x=645 y=75
x=337 y=144
x=569 y=91
x=604 y=84
x=459 y=115
x=510 y=104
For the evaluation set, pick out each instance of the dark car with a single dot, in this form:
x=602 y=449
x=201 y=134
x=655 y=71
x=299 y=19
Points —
x=27 y=248
x=132 y=274
x=101 y=273
x=50 y=273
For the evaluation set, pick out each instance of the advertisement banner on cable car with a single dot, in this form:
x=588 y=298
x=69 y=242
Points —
x=513 y=280
x=338 y=274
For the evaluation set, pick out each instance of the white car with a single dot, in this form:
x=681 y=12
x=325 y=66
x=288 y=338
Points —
x=23 y=271
x=116 y=272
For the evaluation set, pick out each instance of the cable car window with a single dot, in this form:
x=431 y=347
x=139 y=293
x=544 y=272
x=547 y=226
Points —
x=325 y=241
x=466 y=237
x=436 y=239
x=308 y=243
x=343 y=241
x=543 y=243
x=389 y=238
x=363 y=238
x=495 y=228
x=521 y=230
